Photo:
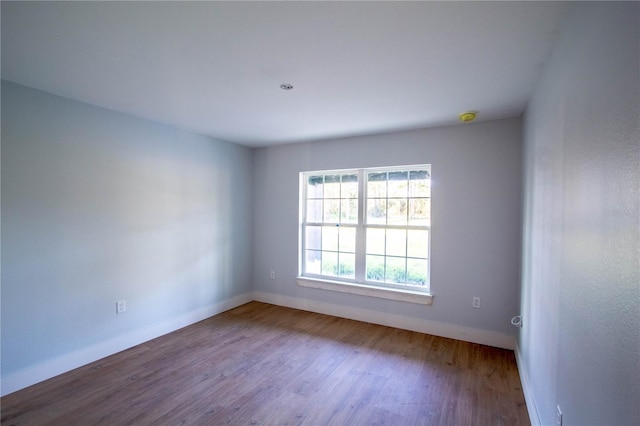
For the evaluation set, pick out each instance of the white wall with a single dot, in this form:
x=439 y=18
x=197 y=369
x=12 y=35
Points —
x=580 y=345
x=99 y=206
x=476 y=211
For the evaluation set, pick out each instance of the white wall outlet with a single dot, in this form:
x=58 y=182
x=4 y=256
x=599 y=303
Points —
x=272 y=275
x=558 y=416
x=476 y=302
x=121 y=306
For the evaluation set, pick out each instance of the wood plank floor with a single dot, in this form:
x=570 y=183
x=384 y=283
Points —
x=264 y=364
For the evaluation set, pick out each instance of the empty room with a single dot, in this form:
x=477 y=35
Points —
x=320 y=213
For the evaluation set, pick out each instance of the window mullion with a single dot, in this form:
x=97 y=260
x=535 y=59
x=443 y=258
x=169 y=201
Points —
x=361 y=229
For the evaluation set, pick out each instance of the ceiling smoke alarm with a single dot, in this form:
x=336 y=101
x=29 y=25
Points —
x=468 y=116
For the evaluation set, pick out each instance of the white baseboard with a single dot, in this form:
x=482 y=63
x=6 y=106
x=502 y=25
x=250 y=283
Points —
x=51 y=368
x=534 y=417
x=48 y=369
x=467 y=334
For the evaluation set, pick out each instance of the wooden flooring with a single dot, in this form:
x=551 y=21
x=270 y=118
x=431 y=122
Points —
x=263 y=364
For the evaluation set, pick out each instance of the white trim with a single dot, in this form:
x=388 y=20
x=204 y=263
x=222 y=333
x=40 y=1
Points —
x=51 y=368
x=467 y=334
x=527 y=389
x=367 y=290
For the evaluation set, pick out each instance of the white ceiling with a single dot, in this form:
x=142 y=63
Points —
x=216 y=67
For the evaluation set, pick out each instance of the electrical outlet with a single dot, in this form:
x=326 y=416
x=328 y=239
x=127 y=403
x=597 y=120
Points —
x=273 y=275
x=121 y=306
x=476 y=302
x=558 y=416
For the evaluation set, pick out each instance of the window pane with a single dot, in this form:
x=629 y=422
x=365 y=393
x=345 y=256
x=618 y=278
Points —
x=375 y=241
x=420 y=212
x=330 y=238
x=419 y=184
x=332 y=211
x=398 y=184
x=377 y=185
x=417 y=271
x=347 y=265
x=375 y=268
x=313 y=237
x=347 y=240
x=395 y=271
x=349 y=211
x=418 y=243
x=314 y=210
x=397 y=211
x=314 y=186
x=377 y=212
x=349 y=186
x=396 y=242
x=329 y=263
x=332 y=186
x=313 y=262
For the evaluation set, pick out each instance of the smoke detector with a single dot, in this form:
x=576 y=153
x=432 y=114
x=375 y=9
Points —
x=468 y=116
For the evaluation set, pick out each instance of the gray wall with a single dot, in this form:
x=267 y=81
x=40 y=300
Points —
x=580 y=344
x=99 y=206
x=476 y=211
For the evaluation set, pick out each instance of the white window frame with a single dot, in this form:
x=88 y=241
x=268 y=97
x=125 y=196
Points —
x=359 y=285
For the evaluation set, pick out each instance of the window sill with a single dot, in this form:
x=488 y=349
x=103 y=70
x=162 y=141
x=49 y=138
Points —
x=367 y=290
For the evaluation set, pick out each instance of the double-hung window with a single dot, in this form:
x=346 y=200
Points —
x=367 y=231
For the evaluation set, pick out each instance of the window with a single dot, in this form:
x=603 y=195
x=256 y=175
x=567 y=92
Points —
x=368 y=228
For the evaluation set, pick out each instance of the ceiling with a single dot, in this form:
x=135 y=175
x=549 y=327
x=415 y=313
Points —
x=216 y=67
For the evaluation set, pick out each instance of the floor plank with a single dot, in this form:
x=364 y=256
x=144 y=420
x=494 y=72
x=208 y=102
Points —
x=264 y=364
